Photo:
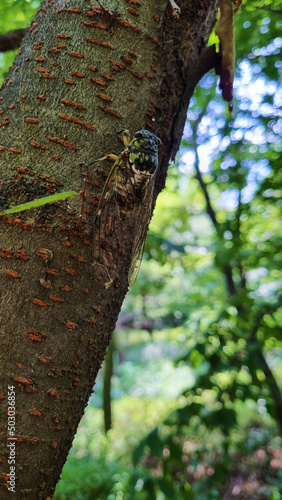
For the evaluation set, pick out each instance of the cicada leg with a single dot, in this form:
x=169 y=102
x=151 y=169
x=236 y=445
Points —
x=106 y=184
x=83 y=198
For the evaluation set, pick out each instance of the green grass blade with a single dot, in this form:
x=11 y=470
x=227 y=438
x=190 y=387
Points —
x=40 y=202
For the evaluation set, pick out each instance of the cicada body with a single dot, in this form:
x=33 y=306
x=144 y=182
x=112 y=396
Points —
x=124 y=209
x=143 y=151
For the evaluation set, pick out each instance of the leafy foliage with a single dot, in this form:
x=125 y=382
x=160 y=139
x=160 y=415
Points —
x=40 y=202
x=220 y=280
x=14 y=14
x=208 y=295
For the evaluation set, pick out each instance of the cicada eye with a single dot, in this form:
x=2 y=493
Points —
x=140 y=133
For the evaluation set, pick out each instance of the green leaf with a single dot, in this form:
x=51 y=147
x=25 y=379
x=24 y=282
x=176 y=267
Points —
x=138 y=451
x=40 y=202
x=168 y=488
x=155 y=443
x=149 y=487
x=182 y=415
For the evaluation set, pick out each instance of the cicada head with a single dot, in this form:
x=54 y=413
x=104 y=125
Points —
x=143 y=151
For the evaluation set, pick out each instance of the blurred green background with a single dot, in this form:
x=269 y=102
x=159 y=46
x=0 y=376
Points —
x=188 y=403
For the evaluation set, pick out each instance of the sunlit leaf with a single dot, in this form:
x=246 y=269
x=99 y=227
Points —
x=39 y=202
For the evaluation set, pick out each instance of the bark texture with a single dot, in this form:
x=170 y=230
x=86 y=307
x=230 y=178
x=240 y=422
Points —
x=83 y=73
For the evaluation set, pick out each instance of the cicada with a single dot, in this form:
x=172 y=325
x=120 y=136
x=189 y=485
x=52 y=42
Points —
x=124 y=208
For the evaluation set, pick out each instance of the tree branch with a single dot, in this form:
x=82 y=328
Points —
x=275 y=391
x=107 y=379
x=199 y=177
x=273 y=386
x=227 y=269
x=11 y=40
x=210 y=209
x=208 y=60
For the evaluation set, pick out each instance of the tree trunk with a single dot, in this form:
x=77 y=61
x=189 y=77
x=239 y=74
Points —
x=83 y=73
x=107 y=384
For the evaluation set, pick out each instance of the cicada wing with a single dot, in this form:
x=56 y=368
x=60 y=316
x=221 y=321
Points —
x=112 y=223
x=110 y=180
x=142 y=216
x=124 y=209
x=103 y=255
x=135 y=266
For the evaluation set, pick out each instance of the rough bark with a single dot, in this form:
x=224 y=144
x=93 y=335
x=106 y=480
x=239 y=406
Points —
x=82 y=74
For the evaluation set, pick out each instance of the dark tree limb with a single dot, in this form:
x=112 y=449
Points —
x=229 y=280
x=272 y=383
x=275 y=391
x=227 y=269
x=200 y=179
x=199 y=176
x=208 y=60
x=11 y=40
x=107 y=379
